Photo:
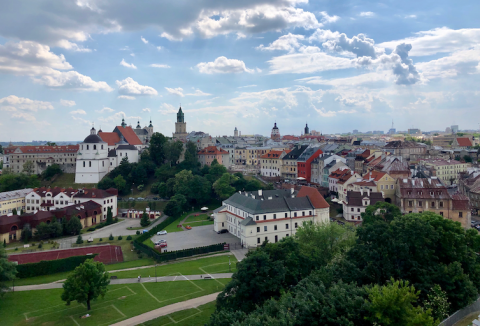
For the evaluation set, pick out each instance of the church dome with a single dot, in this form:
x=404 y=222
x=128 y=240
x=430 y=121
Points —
x=93 y=139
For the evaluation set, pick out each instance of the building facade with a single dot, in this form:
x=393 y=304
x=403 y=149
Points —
x=446 y=170
x=270 y=215
x=13 y=200
x=207 y=155
x=357 y=201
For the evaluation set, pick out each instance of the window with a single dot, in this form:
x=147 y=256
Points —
x=441 y=213
x=295 y=214
x=433 y=204
x=391 y=186
x=352 y=209
x=258 y=229
x=258 y=240
x=358 y=210
x=286 y=226
x=84 y=164
x=276 y=238
x=274 y=216
x=256 y=218
x=275 y=228
x=296 y=225
x=265 y=228
x=420 y=204
x=381 y=187
x=266 y=238
x=94 y=146
x=410 y=203
x=460 y=214
x=89 y=164
x=303 y=213
x=286 y=214
x=288 y=235
x=441 y=204
x=264 y=217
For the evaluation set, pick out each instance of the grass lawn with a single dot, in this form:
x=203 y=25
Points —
x=173 y=226
x=468 y=320
x=201 y=217
x=200 y=223
x=67 y=180
x=211 y=265
x=190 y=317
x=45 y=246
x=61 y=276
x=44 y=307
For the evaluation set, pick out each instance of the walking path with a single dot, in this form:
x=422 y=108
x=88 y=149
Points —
x=239 y=253
x=56 y=285
x=189 y=304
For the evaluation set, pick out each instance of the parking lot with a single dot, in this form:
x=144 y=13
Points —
x=199 y=236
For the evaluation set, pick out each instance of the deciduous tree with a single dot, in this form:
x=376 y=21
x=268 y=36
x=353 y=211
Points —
x=28 y=167
x=74 y=226
x=7 y=271
x=87 y=282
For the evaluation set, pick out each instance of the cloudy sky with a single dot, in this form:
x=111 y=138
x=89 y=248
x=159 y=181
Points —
x=338 y=65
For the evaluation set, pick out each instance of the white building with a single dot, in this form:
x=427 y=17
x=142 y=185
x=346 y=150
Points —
x=100 y=153
x=270 y=214
x=106 y=198
x=357 y=201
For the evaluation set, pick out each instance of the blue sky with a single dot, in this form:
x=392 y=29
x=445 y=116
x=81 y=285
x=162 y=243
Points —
x=338 y=65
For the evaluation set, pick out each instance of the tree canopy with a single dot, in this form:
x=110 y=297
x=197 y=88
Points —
x=7 y=271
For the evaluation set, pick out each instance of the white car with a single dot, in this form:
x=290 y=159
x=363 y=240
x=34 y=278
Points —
x=162 y=232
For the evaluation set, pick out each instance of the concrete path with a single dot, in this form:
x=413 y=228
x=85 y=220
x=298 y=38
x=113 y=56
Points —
x=239 y=253
x=56 y=285
x=189 y=304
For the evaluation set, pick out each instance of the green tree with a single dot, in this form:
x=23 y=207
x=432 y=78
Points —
x=199 y=190
x=50 y=171
x=87 y=282
x=74 y=226
x=106 y=183
x=395 y=304
x=176 y=205
x=165 y=172
x=1 y=149
x=216 y=171
x=162 y=190
x=467 y=159
x=253 y=185
x=26 y=233
x=223 y=186
x=190 y=161
x=182 y=180
x=79 y=239
x=50 y=144
x=109 y=216
x=173 y=150
x=157 y=148
x=144 y=221
x=120 y=184
x=437 y=302
x=14 y=211
x=10 y=181
x=28 y=167
x=7 y=272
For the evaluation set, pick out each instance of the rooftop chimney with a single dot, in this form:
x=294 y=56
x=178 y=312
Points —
x=292 y=190
x=260 y=192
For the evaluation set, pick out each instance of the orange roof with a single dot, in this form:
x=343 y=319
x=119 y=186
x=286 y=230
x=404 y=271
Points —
x=376 y=175
x=130 y=135
x=315 y=197
x=109 y=137
x=212 y=150
x=274 y=154
x=464 y=142
x=365 y=184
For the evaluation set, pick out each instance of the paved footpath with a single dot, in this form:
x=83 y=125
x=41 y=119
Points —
x=189 y=304
x=129 y=281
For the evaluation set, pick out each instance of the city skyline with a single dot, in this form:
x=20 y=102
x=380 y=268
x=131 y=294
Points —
x=340 y=67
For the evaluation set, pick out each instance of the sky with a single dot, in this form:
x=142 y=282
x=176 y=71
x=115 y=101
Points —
x=336 y=65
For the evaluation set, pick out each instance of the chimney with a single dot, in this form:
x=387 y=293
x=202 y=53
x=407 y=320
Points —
x=292 y=190
x=361 y=191
x=260 y=192
x=368 y=192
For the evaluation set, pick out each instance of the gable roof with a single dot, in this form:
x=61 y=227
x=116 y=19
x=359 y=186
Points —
x=129 y=135
x=375 y=175
x=315 y=197
x=464 y=142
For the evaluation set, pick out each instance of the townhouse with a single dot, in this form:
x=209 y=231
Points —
x=289 y=162
x=357 y=201
x=207 y=155
x=271 y=163
x=11 y=200
x=446 y=170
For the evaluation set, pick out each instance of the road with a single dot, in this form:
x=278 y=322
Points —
x=58 y=285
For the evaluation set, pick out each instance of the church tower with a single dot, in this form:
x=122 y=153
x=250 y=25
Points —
x=180 y=126
x=275 y=132
x=307 y=130
x=235 y=132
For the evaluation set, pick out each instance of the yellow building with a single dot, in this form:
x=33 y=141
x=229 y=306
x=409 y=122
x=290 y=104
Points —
x=446 y=170
x=13 y=200
x=253 y=155
x=383 y=183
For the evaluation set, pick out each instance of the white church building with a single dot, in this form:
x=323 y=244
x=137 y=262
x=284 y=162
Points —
x=100 y=153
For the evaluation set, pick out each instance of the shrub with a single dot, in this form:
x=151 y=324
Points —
x=40 y=245
x=137 y=233
x=50 y=266
x=111 y=237
x=100 y=239
x=140 y=256
x=129 y=237
x=91 y=229
x=79 y=240
x=120 y=237
x=16 y=248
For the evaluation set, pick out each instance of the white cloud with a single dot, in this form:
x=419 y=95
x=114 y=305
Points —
x=411 y=16
x=72 y=46
x=157 y=65
x=354 y=81
x=146 y=110
x=326 y=114
x=308 y=62
x=460 y=62
x=175 y=91
x=24 y=116
x=128 y=86
x=81 y=120
x=67 y=103
x=144 y=40
x=439 y=40
x=198 y=93
x=78 y=112
x=289 y=42
x=359 y=45
x=222 y=65
x=105 y=109
x=159 y=48
x=128 y=65
x=126 y=97
x=247 y=86
x=328 y=19
x=14 y=103
x=28 y=58
x=166 y=108
x=132 y=54
x=368 y=14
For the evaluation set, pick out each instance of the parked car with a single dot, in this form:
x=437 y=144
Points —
x=162 y=240
x=159 y=242
x=163 y=244
x=131 y=198
x=222 y=231
x=188 y=227
x=140 y=198
x=163 y=232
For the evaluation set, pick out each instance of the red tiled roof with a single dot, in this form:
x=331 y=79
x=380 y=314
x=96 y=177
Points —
x=55 y=191
x=93 y=193
x=315 y=197
x=289 y=137
x=109 y=137
x=43 y=149
x=376 y=175
x=365 y=184
x=460 y=202
x=130 y=135
x=464 y=142
x=274 y=154
x=212 y=150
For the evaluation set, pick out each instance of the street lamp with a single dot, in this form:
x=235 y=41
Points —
x=155 y=273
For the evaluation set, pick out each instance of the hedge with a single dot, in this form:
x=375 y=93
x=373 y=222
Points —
x=171 y=255
x=47 y=267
